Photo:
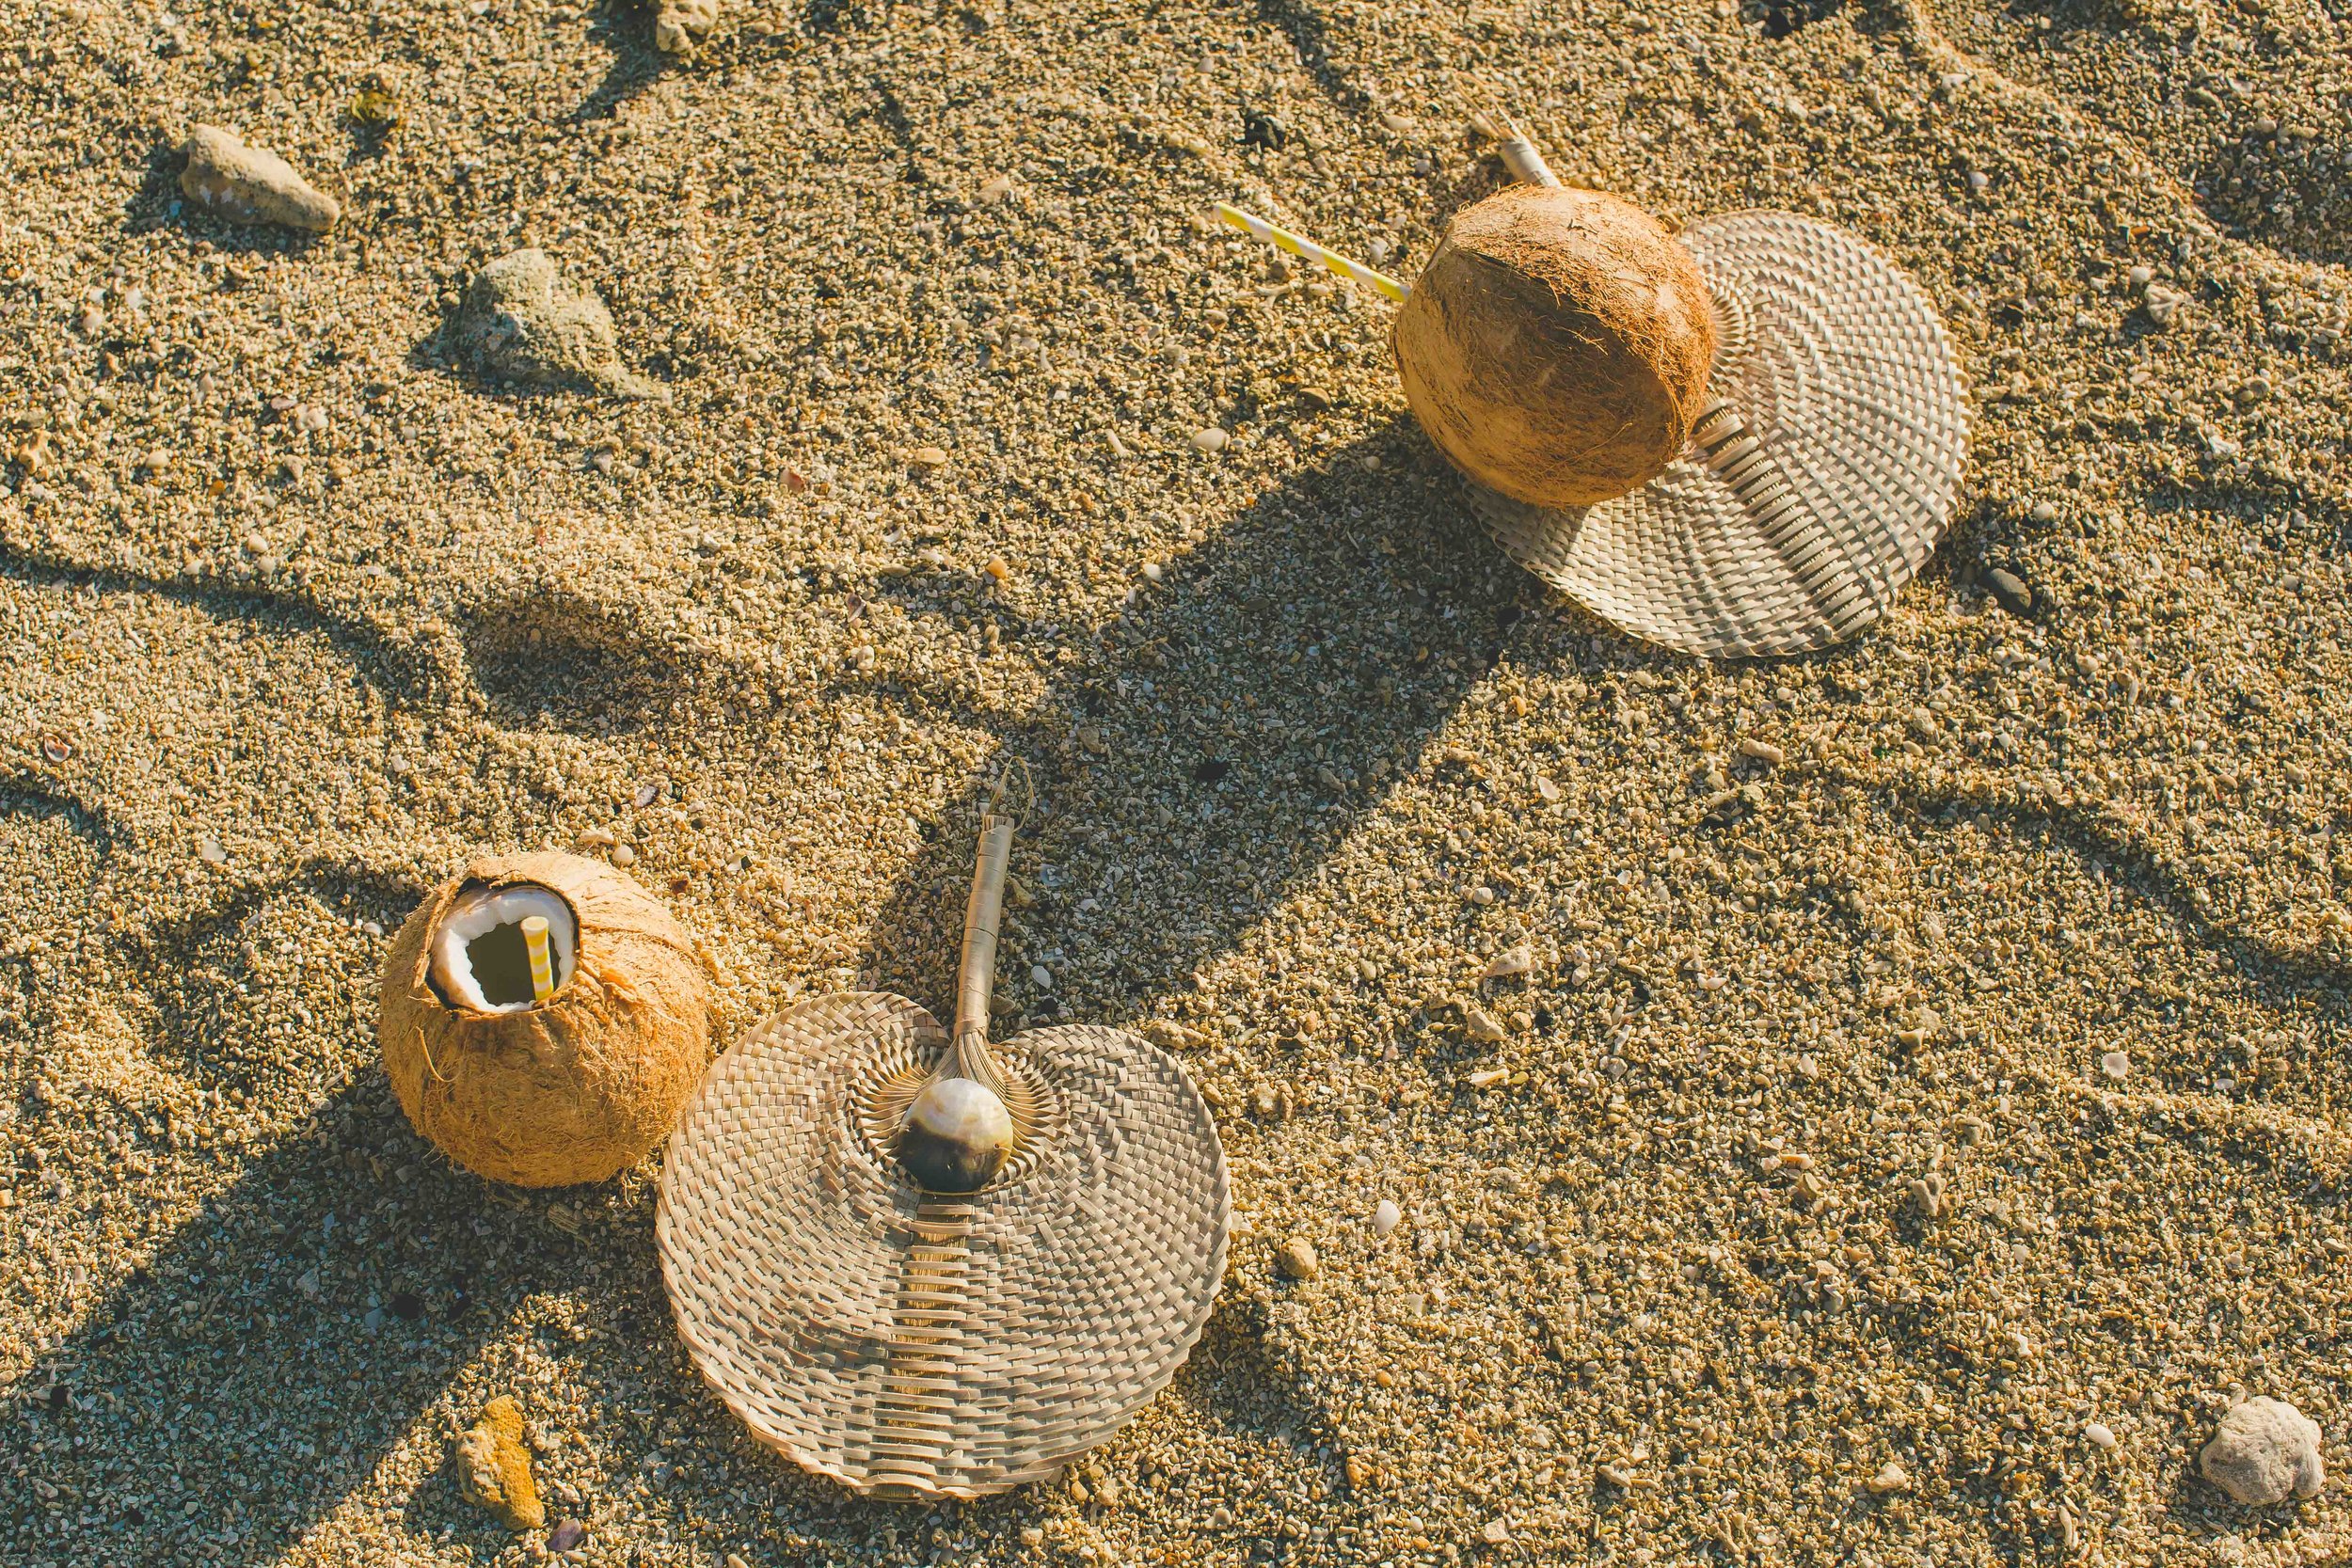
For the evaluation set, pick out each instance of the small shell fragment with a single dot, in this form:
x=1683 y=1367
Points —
x=244 y=184
x=1511 y=960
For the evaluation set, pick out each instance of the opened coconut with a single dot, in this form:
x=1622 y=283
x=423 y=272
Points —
x=543 y=1092
x=1557 y=346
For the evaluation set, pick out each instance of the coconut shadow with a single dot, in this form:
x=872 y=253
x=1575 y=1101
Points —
x=1209 y=749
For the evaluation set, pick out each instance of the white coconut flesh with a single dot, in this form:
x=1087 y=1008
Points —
x=480 y=959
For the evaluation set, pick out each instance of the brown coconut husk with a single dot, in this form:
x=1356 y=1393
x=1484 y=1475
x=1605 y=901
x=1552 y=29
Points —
x=579 y=1087
x=1557 y=345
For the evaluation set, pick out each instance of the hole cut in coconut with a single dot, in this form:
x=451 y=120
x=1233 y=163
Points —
x=480 y=959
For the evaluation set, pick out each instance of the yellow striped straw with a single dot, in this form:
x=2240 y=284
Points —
x=1307 y=250
x=542 y=965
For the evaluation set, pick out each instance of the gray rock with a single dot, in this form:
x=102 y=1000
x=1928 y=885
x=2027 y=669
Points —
x=2009 y=590
x=522 y=319
x=244 y=184
x=2264 y=1451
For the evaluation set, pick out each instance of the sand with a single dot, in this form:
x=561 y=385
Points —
x=1967 y=1079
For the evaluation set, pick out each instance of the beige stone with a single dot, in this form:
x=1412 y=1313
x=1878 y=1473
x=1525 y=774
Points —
x=228 y=179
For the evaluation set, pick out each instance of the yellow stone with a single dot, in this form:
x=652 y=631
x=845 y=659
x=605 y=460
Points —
x=494 y=1468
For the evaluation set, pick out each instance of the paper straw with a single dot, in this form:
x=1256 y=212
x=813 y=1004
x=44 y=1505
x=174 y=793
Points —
x=542 y=968
x=1307 y=250
x=1518 y=154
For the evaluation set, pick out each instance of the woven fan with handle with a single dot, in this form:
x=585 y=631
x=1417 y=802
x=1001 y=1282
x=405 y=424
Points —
x=927 y=1265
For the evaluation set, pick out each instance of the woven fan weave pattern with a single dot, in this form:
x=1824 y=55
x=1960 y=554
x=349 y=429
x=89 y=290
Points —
x=1816 y=484
x=915 y=1345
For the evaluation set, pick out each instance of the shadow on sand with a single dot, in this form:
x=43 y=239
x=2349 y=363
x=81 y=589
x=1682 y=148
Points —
x=1196 y=761
x=1203 y=755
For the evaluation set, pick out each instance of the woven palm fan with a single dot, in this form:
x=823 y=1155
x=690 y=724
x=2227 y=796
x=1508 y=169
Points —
x=1824 y=467
x=928 y=1266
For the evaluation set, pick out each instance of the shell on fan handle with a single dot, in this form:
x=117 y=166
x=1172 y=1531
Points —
x=957 y=1135
x=1557 y=345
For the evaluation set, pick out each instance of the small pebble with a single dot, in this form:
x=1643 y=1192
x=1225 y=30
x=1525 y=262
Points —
x=929 y=457
x=1298 y=1258
x=1170 y=1035
x=623 y=855
x=1763 y=751
x=1479 y=1024
x=1890 y=1478
x=568 y=1536
x=1513 y=961
x=2009 y=590
x=2099 y=1435
x=1210 y=439
x=2117 y=1065
x=1386 y=1217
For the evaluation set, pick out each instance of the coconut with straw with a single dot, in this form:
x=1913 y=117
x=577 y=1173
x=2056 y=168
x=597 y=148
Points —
x=1557 y=345
x=1741 y=438
x=542 y=1018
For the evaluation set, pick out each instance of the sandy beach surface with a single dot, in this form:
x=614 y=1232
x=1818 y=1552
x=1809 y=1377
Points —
x=1919 y=1119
